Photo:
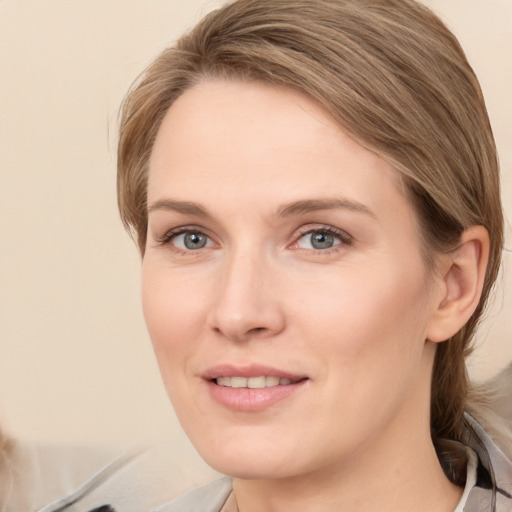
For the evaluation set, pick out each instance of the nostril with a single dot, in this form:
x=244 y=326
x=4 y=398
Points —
x=257 y=330
x=241 y=334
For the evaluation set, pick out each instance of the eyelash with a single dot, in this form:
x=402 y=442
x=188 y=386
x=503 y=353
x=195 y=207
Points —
x=343 y=236
x=170 y=235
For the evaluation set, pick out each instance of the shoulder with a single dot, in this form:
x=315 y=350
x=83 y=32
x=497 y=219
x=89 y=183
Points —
x=137 y=481
x=493 y=489
x=32 y=474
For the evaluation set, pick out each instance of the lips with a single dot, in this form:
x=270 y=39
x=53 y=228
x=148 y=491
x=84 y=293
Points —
x=248 y=371
x=251 y=388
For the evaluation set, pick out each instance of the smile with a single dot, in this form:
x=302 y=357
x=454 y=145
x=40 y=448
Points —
x=252 y=388
x=252 y=382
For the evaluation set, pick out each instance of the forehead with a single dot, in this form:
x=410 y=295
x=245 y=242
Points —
x=250 y=141
x=245 y=116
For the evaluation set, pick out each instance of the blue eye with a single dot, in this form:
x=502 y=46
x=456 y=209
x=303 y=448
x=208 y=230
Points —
x=191 y=240
x=318 y=240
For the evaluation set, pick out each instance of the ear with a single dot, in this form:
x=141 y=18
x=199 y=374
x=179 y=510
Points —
x=461 y=274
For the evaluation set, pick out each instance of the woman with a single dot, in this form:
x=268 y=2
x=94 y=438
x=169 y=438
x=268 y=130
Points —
x=314 y=190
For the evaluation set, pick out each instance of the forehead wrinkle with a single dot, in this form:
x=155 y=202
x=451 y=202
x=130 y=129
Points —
x=311 y=205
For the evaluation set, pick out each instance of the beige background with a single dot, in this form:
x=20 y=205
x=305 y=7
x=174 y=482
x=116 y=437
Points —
x=75 y=361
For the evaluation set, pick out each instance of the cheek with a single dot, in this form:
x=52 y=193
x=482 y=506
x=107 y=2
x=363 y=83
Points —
x=174 y=317
x=368 y=337
x=173 y=313
x=376 y=316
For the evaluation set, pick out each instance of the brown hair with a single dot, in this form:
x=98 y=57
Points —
x=390 y=74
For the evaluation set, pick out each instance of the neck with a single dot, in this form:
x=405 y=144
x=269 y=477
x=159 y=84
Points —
x=372 y=481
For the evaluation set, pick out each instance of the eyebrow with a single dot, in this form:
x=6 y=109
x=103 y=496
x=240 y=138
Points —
x=186 y=207
x=300 y=207
x=312 y=205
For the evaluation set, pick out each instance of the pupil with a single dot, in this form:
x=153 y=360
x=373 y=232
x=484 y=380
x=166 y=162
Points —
x=194 y=241
x=322 y=241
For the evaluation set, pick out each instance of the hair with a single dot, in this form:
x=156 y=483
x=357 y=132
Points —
x=393 y=77
x=6 y=473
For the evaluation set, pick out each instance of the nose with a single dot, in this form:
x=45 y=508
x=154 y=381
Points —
x=246 y=303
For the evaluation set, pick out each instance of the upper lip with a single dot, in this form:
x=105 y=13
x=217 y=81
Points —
x=250 y=370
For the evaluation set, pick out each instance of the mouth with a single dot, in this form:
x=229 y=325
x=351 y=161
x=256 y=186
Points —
x=251 y=388
x=254 y=382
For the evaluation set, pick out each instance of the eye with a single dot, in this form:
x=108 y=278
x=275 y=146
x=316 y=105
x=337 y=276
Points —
x=190 y=240
x=320 y=239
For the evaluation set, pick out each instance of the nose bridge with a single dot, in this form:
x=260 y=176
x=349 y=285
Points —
x=246 y=303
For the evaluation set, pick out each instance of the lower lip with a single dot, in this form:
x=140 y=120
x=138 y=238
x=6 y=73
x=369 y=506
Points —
x=252 y=400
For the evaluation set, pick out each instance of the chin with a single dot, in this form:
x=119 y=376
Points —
x=255 y=469
x=248 y=461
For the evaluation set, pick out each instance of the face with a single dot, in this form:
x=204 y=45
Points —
x=283 y=285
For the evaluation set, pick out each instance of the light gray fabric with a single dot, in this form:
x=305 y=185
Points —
x=471 y=477
x=493 y=490
x=33 y=474
x=139 y=481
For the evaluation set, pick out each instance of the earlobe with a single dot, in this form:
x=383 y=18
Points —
x=463 y=274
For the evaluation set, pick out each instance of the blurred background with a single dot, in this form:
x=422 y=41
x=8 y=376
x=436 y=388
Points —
x=76 y=365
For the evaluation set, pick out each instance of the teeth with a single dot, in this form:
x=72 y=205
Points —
x=271 y=381
x=256 y=382
x=238 y=382
x=252 y=382
x=224 y=381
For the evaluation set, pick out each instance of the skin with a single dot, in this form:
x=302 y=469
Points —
x=353 y=318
